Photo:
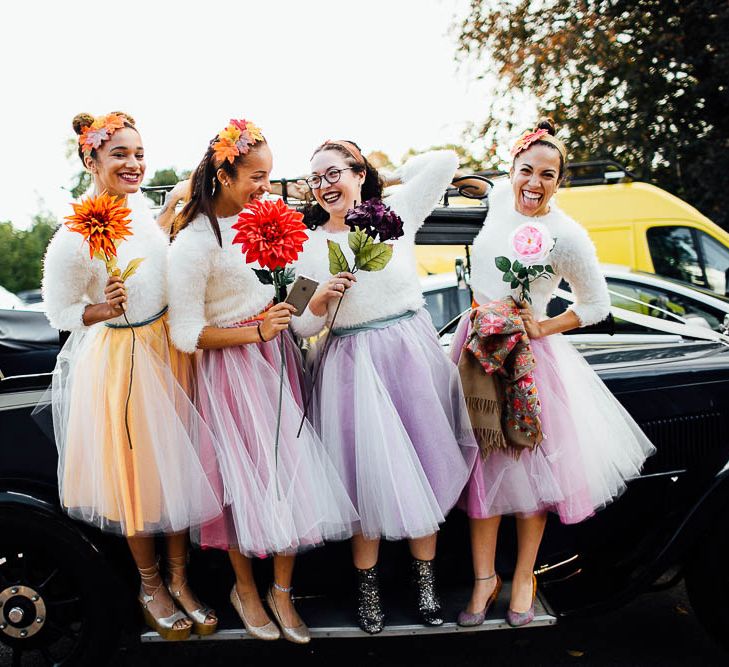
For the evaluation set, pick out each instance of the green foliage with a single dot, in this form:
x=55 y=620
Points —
x=642 y=81
x=337 y=261
x=168 y=176
x=22 y=252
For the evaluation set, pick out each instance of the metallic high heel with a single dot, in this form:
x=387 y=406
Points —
x=197 y=616
x=518 y=618
x=163 y=626
x=268 y=632
x=467 y=619
x=429 y=606
x=369 y=604
x=299 y=634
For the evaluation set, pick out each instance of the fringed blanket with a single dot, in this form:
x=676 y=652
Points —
x=497 y=373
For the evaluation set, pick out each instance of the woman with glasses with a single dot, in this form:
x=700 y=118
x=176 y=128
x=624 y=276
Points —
x=388 y=403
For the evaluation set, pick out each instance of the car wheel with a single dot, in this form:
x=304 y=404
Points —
x=57 y=598
x=707 y=583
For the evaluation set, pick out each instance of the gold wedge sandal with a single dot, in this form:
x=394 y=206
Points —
x=197 y=616
x=165 y=626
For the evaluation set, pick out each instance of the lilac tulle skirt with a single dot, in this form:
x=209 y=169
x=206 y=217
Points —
x=274 y=502
x=591 y=445
x=389 y=408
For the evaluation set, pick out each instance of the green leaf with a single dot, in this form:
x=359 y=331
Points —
x=337 y=260
x=532 y=271
x=289 y=274
x=132 y=268
x=358 y=241
x=374 y=257
x=517 y=266
x=503 y=263
x=515 y=283
x=549 y=269
x=538 y=268
x=523 y=272
x=264 y=276
x=508 y=277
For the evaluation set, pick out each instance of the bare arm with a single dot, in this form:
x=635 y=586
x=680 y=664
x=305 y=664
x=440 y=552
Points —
x=275 y=321
x=552 y=325
x=181 y=192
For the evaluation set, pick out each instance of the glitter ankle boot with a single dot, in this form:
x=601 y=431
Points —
x=427 y=596
x=369 y=605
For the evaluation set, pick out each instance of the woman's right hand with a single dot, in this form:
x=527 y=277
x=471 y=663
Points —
x=332 y=289
x=181 y=192
x=275 y=320
x=116 y=296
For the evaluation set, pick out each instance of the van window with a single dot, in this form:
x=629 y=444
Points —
x=716 y=262
x=675 y=255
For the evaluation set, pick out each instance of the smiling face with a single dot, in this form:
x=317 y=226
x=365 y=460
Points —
x=337 y=198
x=119 y=164
x=250 y=180
x=535 y=179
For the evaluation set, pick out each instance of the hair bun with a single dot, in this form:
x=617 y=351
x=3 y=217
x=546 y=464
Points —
x=546 y=124
x=80 y=121
x=125 y=116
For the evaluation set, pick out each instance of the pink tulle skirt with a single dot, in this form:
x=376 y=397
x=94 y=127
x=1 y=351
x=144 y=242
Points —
x=275 y=502
x=591 y=445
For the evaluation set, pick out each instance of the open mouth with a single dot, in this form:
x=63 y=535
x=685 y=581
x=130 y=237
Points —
x=332 y=197
x=132 y=179
x=530 y=199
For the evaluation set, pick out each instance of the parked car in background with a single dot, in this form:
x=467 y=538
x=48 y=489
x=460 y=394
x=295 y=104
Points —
x=9 y=300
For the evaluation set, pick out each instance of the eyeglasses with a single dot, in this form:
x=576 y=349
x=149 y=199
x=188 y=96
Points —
x=331 y=176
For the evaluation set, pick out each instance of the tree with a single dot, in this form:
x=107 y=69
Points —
x=22 y=252
x=167 y=176
x=645 y=82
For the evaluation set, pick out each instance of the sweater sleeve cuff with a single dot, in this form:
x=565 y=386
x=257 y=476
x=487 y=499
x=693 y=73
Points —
x=590 y=313
x=185 y=337
x=308 y=324
x=70 y=318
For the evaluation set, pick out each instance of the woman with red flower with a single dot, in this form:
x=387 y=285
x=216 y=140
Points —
x=388 y=403
x=282 y=494
x=126 y=432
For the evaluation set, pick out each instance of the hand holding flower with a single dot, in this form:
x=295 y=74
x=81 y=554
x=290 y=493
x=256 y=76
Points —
x=276 y=320
x=330 y=290
x=531 y=324
x=116 y=296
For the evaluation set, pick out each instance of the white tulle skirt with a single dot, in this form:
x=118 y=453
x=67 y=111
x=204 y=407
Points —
x=130 y=471
x=275 y=503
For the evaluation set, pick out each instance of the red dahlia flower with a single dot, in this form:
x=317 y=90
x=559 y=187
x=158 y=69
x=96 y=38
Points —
x=270 y=233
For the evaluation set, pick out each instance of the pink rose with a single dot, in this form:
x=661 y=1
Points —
x=531 y=243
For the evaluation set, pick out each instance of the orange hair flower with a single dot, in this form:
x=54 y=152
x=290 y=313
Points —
x=236 y=139
x=99 y=131
x=103 y=222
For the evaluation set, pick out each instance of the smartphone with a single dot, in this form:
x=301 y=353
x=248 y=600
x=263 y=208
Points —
x=301 y=292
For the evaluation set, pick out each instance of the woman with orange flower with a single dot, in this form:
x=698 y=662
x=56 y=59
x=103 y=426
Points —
x=282 y=499
x=126 y=432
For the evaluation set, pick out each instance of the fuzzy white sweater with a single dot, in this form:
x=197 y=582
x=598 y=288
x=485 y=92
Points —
x=210 y=285
x=72 y=281
x=396 y=289
x=573 y=258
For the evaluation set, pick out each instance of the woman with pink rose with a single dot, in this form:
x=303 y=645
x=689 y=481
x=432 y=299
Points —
x=564 y=443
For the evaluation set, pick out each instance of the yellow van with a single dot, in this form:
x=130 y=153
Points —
x=647 y=229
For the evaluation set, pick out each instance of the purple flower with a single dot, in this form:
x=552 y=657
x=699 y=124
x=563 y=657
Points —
x=376 y=220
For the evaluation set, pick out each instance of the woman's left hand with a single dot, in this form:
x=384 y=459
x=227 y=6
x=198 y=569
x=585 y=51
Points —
x=531 y=324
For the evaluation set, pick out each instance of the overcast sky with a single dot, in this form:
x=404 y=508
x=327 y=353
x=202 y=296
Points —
x=382 y=72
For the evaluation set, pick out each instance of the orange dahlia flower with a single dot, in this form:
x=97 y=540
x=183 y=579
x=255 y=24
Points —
x=102 y=221
x=270 y=233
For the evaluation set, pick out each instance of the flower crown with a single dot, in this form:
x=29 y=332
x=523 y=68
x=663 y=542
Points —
x=92 y=136
x=236 y=139
x=528 y=138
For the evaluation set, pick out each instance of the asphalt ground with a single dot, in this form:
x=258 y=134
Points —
x=656 y=629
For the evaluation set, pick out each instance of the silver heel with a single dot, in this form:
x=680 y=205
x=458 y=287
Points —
x=163 y=626
x=267 y=632
x=299 y=634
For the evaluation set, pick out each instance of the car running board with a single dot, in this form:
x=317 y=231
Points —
x=335 y=620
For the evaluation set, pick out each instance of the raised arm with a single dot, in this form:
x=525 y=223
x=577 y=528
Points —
x=423 y=180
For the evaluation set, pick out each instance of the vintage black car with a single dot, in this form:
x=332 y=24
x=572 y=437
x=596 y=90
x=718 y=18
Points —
x=61 y=582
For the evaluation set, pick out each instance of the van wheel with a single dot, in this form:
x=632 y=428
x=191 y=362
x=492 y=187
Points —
x=55 y=600
x=707 y=583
